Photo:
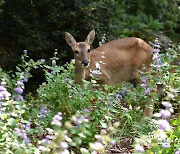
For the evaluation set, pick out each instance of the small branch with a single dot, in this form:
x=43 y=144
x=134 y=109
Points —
x=115 y=150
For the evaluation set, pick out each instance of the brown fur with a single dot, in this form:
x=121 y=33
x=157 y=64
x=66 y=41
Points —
x=121 y=59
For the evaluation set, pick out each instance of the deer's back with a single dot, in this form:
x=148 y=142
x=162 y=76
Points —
x=121 y=58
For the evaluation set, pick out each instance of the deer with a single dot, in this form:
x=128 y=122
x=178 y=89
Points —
x=120 y=60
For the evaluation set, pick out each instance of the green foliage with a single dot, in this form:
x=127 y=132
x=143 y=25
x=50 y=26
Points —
x=1 y=3
x=136 y=18
x=163 y=139
x=64 y=117
x=39 y=26
x=10 y=118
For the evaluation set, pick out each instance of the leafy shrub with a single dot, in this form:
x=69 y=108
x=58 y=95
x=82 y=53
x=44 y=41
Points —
x=165 y=138
x=136 y=18
x=64 y=117
x=39 y=26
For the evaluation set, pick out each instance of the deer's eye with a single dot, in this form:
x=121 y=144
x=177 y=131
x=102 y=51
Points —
x=89 y=50
x=76 y=52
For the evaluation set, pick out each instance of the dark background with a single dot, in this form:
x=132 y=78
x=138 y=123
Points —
x=39 y=25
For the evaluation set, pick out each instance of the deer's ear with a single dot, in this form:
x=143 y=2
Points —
x=90 y=37
x=70 y=39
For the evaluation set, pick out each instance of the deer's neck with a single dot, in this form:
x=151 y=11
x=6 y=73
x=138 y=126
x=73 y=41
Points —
x=79 y=73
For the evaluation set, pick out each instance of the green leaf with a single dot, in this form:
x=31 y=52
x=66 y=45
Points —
x=18 y=68
x=77 y=140
x=11 y=122
x=176 y=121
x=177 y=133
x=21 y=111
x=3 y=116
x=84 y=151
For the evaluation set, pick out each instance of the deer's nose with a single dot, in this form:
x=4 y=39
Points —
x=85 y=62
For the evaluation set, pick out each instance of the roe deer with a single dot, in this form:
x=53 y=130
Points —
x=119 y=60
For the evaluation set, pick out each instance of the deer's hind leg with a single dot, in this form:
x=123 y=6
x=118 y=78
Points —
x=148 y=109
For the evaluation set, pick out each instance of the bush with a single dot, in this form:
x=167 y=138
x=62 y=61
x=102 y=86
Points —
x=63 y=117
x=39 y=27
x=136 y=18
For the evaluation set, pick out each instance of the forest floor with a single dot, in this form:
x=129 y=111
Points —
x=123 y=146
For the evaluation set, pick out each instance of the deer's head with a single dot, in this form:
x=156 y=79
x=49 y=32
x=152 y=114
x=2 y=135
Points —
x=81 y=49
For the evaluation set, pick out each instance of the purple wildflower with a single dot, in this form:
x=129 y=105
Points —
x=144 y=79
x=99 y=137
x=110 y=103
x=20 y=83
x=37 y=126
x=25 y=77
x=58 y=116
x=63 y=145
x=97 y=146
x=157 y=46
x=25 y=51
x=158 y=66
x=57 y=119
x=26 y=140
x=147 y=91
x=28 y=126
x=42 y=148
x=17 y=129
x=111 y=99
x=43 y=112
x=177 y=152
x=19 y=90
x=119 y=97
x=139 y=148
x=95 y=72
x=163 y=124
x=4 y=95
x=79 y=121
x=168 y=49
x=42 y=60
x=86 y=110
x=166 y=145
x=123 y=93
x=144 y=85
x=45 y=141
x=23 y=135
x=42 y=116
x=53 y=63
x=48 y=137
x=167 y=104
x=113 y=142
x=165 y=113
x=155 y=58
x=170 y=96
x=159 y=63
x=53 y=72
x=2 y=88
x=18 y=98
x=155 y=50
x=56 y=122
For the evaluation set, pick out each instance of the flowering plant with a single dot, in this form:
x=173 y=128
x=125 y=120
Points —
x=62 y=117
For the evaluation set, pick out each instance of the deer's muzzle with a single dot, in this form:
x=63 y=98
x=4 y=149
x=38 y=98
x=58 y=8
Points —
x=85 y=62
